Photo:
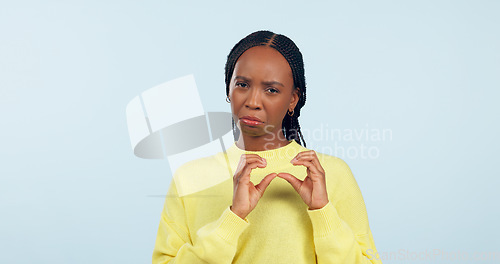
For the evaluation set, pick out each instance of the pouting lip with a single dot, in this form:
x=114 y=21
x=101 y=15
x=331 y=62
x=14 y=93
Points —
x=253 y=118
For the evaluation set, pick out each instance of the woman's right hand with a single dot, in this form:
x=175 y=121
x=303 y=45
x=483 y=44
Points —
x=246 y=195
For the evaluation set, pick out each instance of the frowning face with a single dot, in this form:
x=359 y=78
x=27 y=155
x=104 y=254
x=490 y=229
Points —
x=261 y=92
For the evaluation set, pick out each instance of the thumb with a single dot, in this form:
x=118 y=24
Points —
x=261 y=187
x=296 y=183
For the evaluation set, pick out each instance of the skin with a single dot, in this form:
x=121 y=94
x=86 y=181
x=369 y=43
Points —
x=250 y=95
x=262 y=86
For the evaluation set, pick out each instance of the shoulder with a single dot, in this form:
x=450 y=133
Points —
x=202 y=164
x=340 y=180
x=200 y=174
x=337 y=171
x=335 y=165
x=333 y=162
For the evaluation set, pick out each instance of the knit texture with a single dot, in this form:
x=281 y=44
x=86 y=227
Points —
x=200 y=228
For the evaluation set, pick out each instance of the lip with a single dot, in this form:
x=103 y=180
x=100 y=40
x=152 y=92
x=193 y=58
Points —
x=251 y=120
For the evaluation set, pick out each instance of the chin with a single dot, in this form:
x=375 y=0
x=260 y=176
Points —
x=251 y=133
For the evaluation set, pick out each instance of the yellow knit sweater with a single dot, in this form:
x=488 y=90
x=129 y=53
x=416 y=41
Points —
x=198 y=227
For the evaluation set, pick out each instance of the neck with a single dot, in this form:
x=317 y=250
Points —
x=260 y=143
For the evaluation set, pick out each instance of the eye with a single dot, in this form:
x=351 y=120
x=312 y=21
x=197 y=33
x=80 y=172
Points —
x=242 y=84
x=272 y=90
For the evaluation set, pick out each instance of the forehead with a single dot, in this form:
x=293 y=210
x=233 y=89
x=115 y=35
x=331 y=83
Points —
x=263 y=61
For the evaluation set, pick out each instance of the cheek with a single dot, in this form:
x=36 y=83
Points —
x=278 y=111
x=235 y=101
x=236 y=104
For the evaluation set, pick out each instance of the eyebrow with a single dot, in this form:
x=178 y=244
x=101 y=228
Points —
x=266 y=83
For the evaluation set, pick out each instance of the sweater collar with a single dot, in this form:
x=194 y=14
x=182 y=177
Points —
x=276 y=158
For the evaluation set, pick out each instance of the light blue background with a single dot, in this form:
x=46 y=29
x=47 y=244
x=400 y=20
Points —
x=72 y=191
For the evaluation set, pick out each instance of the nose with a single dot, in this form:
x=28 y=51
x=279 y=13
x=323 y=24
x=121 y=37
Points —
x=253 y=100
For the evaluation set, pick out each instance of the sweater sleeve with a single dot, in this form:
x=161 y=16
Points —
x=216 y=242
x=341 y=232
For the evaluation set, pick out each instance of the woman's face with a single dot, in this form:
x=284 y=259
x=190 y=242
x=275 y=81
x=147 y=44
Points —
x=262 y=89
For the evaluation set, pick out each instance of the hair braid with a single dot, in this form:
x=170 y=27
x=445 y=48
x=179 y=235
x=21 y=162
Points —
x=287 y=48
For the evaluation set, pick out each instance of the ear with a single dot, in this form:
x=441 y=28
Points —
x=295 y=99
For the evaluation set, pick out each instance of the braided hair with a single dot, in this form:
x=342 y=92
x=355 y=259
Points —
x=287 y=48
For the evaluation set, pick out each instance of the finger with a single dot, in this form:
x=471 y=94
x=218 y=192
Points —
x=246 y=159
x=303 y=153
x=315 y=161
x=244 y=176
x=309 y=165
x=246 y=170
x=296 y=183
x=261 y=187
x=309 y=156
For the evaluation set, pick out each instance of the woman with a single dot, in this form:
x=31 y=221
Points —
x=280 y=202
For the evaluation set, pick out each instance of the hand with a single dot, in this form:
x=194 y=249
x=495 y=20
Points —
x=245 y=193
x=312 y=189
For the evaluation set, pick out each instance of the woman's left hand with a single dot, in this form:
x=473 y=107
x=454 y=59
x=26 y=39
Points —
x=313 y=188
